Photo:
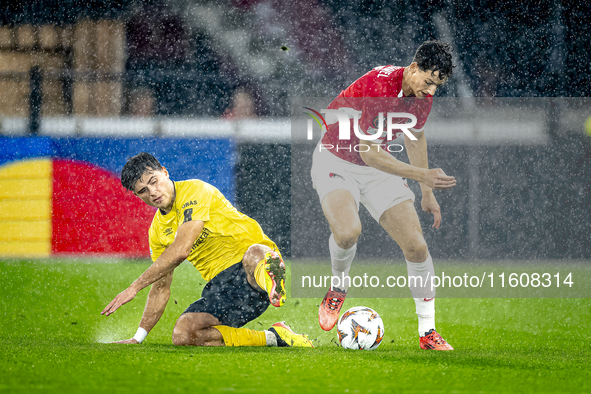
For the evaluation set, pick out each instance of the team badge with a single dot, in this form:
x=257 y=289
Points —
x=375 y=122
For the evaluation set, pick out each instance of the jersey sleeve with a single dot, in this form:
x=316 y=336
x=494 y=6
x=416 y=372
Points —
x=156 y=248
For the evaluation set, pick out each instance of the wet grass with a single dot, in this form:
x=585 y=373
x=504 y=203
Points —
x=52 y=338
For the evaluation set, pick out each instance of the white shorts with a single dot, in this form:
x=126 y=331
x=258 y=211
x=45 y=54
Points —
x=377 y=190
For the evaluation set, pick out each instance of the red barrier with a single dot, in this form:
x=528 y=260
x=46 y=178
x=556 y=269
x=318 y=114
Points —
x=94 y=214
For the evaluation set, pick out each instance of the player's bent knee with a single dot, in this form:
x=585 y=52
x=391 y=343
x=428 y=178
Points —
x=186 y=331
x=180 y=333
x=202 y=337
x=186 y=325
x=255 y=253
x=180 y=338
x=346 y=238
x=416 y=251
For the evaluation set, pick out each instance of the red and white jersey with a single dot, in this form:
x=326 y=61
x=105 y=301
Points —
x=380 y=90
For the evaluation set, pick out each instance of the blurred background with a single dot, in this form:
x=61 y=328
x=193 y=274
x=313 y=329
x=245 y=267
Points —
x=208 y=87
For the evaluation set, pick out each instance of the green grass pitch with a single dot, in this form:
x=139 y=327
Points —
x=53 y=339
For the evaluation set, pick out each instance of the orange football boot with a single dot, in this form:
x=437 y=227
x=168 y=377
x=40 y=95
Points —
x=433 y=341
x=328 y=314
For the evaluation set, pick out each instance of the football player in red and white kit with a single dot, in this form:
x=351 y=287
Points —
x=346 y=172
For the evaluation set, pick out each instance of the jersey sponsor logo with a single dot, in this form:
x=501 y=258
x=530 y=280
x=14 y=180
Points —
x=202 y=238
x=333 y=175
x=188 y=215
x=188 y=204
x=168 y=231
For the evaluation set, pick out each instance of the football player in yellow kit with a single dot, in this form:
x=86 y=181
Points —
x=243 y=267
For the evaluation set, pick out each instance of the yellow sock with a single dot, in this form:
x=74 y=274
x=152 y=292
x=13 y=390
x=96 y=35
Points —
x=259 y=274
x=242 y=336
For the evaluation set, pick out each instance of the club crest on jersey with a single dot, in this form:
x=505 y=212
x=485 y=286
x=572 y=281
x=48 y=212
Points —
x=375 y=122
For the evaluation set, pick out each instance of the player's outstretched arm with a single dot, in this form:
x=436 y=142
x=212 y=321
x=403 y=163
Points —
x=155 y=306
x=416 y=150
x=171 y=258
x=375 y=156
x=435 y=179
x=418 y=157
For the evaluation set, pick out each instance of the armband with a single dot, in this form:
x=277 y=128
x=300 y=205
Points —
x=140 y=335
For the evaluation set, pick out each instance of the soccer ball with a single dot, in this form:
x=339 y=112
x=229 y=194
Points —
x=360 y=328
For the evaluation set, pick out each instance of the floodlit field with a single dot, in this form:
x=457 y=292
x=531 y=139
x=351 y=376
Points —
x=53 y=339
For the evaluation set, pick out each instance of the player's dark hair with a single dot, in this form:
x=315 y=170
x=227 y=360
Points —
x=135 y=167
x=435 y=56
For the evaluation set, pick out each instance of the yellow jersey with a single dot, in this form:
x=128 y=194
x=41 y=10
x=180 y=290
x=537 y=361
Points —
x=226 y=235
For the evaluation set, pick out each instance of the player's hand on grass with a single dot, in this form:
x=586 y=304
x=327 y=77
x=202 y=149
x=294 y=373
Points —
x=131 y=341
x=122 y=298
x=430 y=205
x=436 y=179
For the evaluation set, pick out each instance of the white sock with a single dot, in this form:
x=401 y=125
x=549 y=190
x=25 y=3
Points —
x=271 y=338
x=423 y=293
x=341 y=260
x=426 y=315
